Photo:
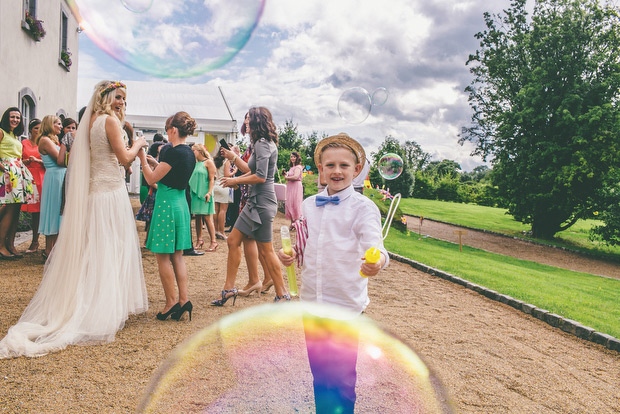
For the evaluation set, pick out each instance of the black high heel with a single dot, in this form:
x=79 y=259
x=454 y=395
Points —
x=225 y=297
x=164 y=316
x=187 y=307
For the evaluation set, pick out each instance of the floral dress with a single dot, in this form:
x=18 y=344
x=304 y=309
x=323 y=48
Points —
x=16 y=183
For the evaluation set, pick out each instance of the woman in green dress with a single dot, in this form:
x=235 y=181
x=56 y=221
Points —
x=201 y=190
x=170 y=231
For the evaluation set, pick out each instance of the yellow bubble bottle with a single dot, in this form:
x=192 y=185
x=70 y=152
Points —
x=290 y=270
x=372 y=255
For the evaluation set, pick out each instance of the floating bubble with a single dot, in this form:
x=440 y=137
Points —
x=354 y=105
x=390 y=166
x=379 y=96
x=256 y=361
x=137 y=6
x=172 y=39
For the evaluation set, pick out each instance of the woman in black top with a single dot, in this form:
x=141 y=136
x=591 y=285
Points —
x=170 y=231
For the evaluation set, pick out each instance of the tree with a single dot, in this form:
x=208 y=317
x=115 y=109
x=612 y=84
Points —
x=413 y=157
x=288 y=138
x=443 y=169
x=545 y=99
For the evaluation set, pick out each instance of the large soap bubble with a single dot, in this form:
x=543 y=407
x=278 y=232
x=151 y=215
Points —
x=354 y=105
x=137 y=6
x=256 y=361
x=175 y=39
x=390 y=166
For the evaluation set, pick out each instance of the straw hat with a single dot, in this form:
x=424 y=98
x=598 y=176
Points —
x=341 y=138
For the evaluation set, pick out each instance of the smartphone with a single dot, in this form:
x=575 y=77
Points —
x=224 y=144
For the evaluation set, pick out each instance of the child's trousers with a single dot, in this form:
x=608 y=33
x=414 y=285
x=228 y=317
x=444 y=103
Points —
x=332 y=353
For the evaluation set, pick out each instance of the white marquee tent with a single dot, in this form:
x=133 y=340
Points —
x=149 y=104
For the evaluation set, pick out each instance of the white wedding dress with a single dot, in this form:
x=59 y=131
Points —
x=93 y=278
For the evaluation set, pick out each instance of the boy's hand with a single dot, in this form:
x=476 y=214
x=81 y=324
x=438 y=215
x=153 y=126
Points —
x=285 y=259
x=371 y=269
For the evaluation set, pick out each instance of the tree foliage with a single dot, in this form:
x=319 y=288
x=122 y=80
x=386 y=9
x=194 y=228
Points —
x=545 y=98
x=413 y=157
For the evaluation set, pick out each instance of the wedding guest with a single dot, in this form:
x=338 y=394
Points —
x=340 y=225
x=294 y=188
x=32 y=158
x=221 y=195
x=17 y=186
x=256 y=219
x=202 y=205
x=170 y=230
x=146 y=209
x=49 y=222
x=233 y=208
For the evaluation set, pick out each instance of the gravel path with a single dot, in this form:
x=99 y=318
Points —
x=490 y=357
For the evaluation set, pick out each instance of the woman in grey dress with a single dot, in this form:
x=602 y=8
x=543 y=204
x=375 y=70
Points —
x=256 y=219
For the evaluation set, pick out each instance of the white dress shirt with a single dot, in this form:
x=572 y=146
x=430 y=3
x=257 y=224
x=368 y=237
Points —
x=338 y=237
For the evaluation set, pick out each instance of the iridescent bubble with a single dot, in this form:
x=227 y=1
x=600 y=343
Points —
x=354 y=105
x=173 y=39
x=257 y=361
x=379 y=96
x=390 y=166
x=137 y=6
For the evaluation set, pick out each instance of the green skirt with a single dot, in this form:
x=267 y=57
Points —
x=170 y=224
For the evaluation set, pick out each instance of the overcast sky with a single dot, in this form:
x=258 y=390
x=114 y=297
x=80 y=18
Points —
x=303 y=56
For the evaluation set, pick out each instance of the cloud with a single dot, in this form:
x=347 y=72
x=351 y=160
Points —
x=303 y=55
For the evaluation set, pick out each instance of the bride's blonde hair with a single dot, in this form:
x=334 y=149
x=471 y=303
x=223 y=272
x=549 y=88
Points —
x=104 y=98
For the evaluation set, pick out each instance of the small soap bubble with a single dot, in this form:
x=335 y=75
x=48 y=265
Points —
x=379 y=96
x=354 y=105
x=390 y=166
x=256 y=361
x=137 y=6
x=169 y=39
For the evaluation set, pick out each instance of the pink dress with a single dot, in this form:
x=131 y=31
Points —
x=294 y=193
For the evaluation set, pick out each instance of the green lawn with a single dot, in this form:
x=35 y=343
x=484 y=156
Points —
x=591 y=300
x=496 y=219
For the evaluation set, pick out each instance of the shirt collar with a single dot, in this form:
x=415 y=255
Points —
x=342 y=194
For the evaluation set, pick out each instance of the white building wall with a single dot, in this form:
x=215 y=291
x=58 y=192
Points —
x=31 y=66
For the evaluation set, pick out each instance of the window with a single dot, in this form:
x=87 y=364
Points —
x=30 y=7
x=30 y=23
x=64 y=59
x=27 y=106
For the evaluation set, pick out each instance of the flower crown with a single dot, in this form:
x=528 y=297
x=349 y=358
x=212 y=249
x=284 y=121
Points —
x=111 y=87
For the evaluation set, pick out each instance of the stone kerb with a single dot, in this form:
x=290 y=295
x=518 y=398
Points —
x=567 y=325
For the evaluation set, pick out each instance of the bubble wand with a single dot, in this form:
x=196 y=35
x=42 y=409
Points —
x=290 y=270
x=373 y=254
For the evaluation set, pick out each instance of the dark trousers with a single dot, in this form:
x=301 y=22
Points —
x=332 y=353
x=233 y=209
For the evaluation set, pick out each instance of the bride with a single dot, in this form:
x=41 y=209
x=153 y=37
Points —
x=93 y=278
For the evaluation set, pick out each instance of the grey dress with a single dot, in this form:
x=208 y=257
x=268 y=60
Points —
x=256 y=218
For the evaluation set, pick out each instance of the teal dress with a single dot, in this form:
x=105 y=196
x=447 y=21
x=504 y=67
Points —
x=51 y=196
x=199 y=187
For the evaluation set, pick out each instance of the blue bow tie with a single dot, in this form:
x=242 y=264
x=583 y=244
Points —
x=322 y=200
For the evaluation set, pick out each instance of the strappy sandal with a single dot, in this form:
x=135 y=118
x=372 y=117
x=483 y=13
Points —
x=225 y=297
x=285 y=297
x=212 y=249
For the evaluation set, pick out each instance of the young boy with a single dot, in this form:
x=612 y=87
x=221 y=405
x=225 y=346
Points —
x=340 y=225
